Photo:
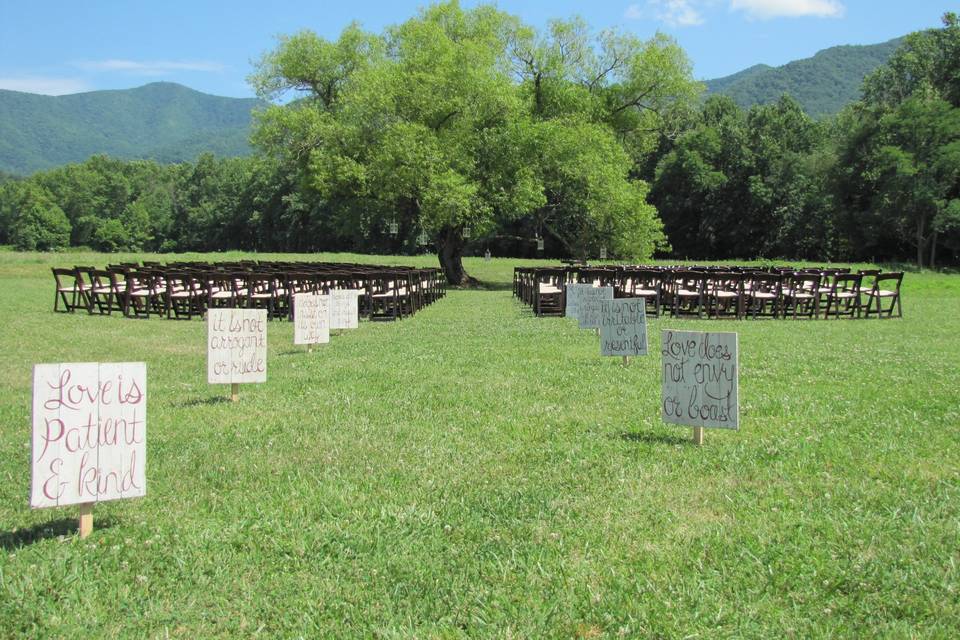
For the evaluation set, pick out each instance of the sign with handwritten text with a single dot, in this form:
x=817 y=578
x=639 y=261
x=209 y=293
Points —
x=588 y=310
x=311 y=318
x=89 y=433
x=623 y=327
x=344 y=312
x=700 y=379
x=572 y=299
x=236 y=345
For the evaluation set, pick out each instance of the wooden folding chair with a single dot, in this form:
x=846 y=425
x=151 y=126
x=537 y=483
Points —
x=548 y=292
x=886 y=286
x=387 y=293
x=106 y=294
x=221 y=290
x=70 y=290
x=843 y=296
x=801 y=293
x=646 y=284
x=689 y=293
x=185 y=295
x=142 y=297
x=262 y=292
x=764 y=296
x=725 y=294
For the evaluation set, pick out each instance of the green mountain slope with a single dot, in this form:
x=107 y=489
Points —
x=162 y=121
x=823 y=84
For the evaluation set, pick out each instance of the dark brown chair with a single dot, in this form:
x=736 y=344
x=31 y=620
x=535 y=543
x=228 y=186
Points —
x=142 y=295
x=886 y=286
x=843 y=296
x=106 y=293
x=185 y=295
x=70 y=290
x=549 y=292
x=764 y=296
x=801 y=294
x=688 y=293
x=725 y=294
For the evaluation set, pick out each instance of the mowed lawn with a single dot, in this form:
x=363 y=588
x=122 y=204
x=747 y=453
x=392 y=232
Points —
x=475 y=471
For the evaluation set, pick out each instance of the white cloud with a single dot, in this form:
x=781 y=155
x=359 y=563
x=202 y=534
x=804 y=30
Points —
x=44 y=85
x=766 y=9
x=150 y=68
x=676 y=13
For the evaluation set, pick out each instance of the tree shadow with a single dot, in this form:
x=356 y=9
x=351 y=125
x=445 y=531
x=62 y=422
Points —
x=19 y=538
x=209 y=400
x=654 y=438
x=295 y=352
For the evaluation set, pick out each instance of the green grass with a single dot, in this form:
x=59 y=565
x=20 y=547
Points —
x=478 y=472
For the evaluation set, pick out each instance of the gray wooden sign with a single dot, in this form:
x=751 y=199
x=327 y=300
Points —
x=588 y=309
x=623 y=327
x=700 y=379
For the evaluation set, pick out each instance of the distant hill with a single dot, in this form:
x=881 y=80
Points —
x=162 y=121
x=823 y=84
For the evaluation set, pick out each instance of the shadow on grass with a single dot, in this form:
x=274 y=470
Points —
x=303 y=351
x=654 y=438
x=18 y=538
x=209 y=400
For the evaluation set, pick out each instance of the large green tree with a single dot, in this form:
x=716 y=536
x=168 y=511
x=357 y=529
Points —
x=459 y=122
x=900 y=175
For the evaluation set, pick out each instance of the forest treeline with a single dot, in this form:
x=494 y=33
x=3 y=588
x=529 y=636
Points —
x=462 y=130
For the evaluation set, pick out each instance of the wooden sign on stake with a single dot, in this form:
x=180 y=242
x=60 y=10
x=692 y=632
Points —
x=623 y=328
x=700 y=380
x=572 y=299
x=236 y=347
x=588 y=309
x=89 y=435
x=344 y=312
x=311 y=319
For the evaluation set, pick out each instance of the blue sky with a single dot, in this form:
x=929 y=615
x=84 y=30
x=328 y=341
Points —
x=58 y=47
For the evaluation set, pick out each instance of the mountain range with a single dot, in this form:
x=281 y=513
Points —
x=162 y=121
x=168 y=122
x=822 y=84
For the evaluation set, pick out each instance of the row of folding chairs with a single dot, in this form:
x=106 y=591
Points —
x=712 y=292
x=183 y=290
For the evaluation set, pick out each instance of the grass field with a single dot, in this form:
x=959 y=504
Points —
x=478 y=472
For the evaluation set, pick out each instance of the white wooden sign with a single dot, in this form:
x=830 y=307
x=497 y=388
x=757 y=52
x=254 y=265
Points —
x=89 y=433
x=700 y=379
x=588 y=310
x=311 y=318
x=623 y=327
x=236 y=346
x=344 y=312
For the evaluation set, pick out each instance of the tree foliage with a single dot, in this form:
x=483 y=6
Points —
x=462 y=120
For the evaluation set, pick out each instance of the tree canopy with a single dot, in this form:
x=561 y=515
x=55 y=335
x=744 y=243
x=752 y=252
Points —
x=464 y=122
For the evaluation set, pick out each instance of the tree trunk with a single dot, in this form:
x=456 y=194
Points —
x=450 y=252
x=920 y=244
x=933 y=251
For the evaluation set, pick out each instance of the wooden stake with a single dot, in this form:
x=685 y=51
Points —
x=626 y=361
x=234 y=391
x=310 y=348
x=86 y=519
x=698 y=436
